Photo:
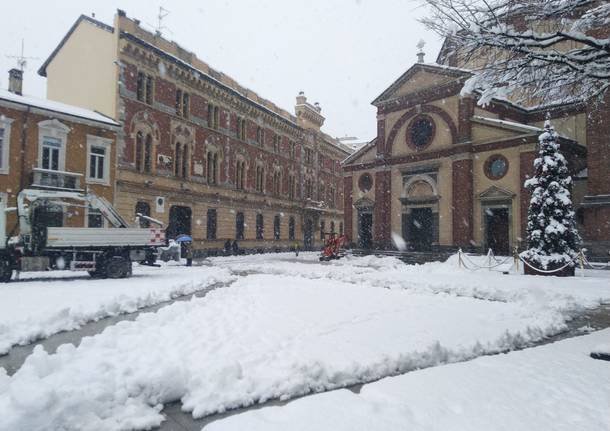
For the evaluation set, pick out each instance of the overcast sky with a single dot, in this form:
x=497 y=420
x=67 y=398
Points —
x=342 y=53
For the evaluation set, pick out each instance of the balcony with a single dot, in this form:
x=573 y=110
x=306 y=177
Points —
x=56 y=180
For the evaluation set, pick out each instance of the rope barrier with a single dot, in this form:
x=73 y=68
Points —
x=463 y=258
x=546 y=271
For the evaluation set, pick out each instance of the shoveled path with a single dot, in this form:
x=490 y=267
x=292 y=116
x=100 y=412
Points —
x=17 y=355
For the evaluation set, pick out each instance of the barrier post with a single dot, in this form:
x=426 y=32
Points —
x=459 y=258
x=516 y=258
x=489 y=253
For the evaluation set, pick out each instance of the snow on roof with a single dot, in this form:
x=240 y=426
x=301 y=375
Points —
x=509 y=124
x=50 y=105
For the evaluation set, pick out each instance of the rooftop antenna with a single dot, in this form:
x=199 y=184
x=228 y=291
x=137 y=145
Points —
x=162 y=14
x=22 y=60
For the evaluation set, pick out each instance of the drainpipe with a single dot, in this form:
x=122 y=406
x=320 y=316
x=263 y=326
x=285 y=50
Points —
x=24 y=136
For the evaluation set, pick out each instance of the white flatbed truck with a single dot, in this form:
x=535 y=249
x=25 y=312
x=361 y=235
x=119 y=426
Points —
x=103 y=252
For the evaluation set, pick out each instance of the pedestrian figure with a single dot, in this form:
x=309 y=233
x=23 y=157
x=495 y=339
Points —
x=296 y=248
x=188 y=253
x=228 y=247
x=235 y=247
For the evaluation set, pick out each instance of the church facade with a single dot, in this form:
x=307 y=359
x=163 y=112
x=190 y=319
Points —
x=444 y=172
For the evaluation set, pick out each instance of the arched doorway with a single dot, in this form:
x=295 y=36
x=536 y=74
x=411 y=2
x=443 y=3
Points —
x=308 y=234
x=420 y=211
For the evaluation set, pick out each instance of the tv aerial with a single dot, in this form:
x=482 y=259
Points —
x=22 y=60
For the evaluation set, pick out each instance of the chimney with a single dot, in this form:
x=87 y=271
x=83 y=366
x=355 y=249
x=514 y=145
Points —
x=301 y=99
x=15 y=81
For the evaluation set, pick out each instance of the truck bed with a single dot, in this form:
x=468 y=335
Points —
x=65 y=237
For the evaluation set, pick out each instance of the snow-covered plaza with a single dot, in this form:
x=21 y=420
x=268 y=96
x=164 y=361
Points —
x=437 y=347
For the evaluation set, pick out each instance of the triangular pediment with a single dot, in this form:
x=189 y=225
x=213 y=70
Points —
x=419 y=77
x=366 y=153
x=496 y=193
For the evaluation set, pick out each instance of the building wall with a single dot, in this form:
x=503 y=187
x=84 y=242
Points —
x=93 y=49
x=25 y=134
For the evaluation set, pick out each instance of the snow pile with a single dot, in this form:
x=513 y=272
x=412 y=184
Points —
x=556 y=387
x=563 y=294
x=263 y=337
x=37 y=308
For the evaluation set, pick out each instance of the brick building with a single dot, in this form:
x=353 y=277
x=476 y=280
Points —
x=198 y=151
x=51 y=145
x=444 y=172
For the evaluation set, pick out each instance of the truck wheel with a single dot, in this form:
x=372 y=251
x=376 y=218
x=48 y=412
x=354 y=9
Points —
x=6 y=272
x=118 y=267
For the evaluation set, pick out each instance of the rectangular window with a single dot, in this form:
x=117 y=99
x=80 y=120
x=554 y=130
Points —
x=50 y=153
x=322 y=229
x=141 y=87
x=94 y=218
x=211 y=231
x=97 y=157
x=179 y=102
x=185 y=105
x=149 y=90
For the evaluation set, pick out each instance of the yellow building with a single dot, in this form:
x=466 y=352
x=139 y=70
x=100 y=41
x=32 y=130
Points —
x=444 y=172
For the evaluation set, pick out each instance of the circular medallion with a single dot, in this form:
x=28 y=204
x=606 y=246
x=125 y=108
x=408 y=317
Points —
x=420 y=132
x=496 y=167
x=365 y=182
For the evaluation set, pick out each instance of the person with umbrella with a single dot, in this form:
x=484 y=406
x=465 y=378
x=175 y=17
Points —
x=187 y=244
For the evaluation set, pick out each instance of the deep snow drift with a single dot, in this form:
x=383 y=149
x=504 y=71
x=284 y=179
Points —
x=552 y=387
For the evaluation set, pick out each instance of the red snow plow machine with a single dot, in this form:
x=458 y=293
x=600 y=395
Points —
x=333 y=247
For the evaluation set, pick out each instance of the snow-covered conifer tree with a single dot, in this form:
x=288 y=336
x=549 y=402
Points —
x=552 y=237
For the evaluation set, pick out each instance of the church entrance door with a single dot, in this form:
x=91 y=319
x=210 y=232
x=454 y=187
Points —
x=365 y=230
x=421 y=231
x=497 y=230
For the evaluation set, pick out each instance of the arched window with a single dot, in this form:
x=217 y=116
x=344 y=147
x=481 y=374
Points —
x=139 y=150
x=148 y=154
x=241 y=128
x=332 y=227
x=239 y=226
x=177 y=159
x=260 y=136
x=260 y=179
x=185 y=161
x=260 y=227
x=291 y=235
x=212 y=167
x=240 y=175
x=143 y=152
x=291 y=186
x=276 y=227
x=276 y=183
